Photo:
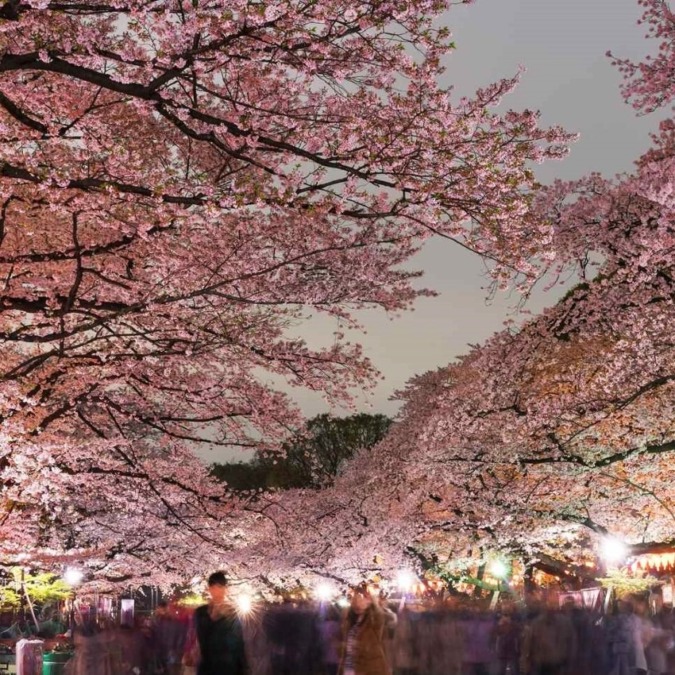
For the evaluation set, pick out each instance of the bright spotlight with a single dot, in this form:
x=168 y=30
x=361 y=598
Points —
x=405 y=580
x=498 y=569
x=324 y=592
x=73 y=576
x=614 y=550
x=244 y=604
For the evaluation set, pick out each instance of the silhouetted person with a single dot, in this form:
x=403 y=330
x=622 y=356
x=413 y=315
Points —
x=219 y=633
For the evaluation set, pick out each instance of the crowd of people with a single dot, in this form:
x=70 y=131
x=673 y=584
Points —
x=376 y=637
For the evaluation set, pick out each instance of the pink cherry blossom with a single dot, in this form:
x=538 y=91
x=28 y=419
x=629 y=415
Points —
x=181 y=183
x=559 y=429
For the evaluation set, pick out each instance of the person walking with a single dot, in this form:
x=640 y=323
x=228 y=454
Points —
x=621 y=640
x=167 y=637
x=478 y=633
x=406 y=648
x=219 y=633
x=330 y=631
x=552 y=643
x=507 y=645
x=363 y=651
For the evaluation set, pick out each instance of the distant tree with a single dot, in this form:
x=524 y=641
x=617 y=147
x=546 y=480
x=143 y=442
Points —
x=329 y=442
x=313 y=459
x=242 y=476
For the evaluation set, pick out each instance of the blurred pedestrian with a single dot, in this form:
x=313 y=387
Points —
x=507 y=644
x=331 y=631
x=478 y=633
x=549 y=644
x=406 y=644
x=167 y=636
x=363 y=651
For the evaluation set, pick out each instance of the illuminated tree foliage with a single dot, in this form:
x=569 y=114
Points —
x=179 y=183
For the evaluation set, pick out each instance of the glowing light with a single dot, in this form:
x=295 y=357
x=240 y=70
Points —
x=324 y=592
x=614 y=550
x=73 y=576
x=499 y=569
x=343 y=602
x=244 y=604
x=405 y=580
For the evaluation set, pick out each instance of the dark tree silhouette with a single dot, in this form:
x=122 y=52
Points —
x=312 y=460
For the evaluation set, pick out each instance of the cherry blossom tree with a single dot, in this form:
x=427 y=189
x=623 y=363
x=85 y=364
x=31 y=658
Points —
x=564 y=423
x=179 y=184
x=556 y=426
x=650 y=84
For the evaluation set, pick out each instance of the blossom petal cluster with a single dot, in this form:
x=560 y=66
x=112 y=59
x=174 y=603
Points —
x=556 y=426
x=181 y=183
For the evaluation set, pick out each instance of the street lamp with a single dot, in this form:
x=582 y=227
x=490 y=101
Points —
x=405 y=580
x=613 y=550
x=244 y=604
x=73 y=576
x=499 y=570
x=324 y=592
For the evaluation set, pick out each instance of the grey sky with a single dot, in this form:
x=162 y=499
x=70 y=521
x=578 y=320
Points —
x=569 y=79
